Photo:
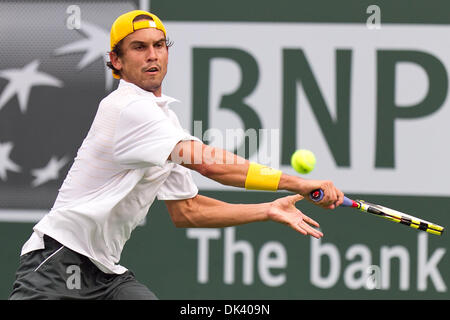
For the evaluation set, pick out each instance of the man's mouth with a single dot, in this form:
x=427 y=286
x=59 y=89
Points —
x=152 y=70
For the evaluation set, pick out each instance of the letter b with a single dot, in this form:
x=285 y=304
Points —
x=317 y=251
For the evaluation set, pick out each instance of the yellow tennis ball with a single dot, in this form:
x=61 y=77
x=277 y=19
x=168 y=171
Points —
x=303 y=161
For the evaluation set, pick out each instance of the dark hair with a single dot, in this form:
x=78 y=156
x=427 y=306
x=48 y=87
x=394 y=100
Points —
x=118 y=47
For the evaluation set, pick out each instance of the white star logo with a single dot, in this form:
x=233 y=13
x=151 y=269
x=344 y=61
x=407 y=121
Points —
x=22 y=80
x=5 y=161
x=49 y=172
x=96 y=45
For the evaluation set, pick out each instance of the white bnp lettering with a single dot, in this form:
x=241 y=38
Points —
x=362 y=274
x=272 y=256
x=428 y=267
x=386 y=254
x=317 y=251
x=203 y=236
x=354 y=266
x=357 y=267
x=233 y=247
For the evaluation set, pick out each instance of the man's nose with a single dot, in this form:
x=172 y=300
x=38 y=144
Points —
x=151 y=54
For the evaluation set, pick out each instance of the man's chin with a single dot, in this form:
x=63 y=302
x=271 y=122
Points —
x=152 y=86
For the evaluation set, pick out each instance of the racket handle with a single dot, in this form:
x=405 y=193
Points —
x=317 y=195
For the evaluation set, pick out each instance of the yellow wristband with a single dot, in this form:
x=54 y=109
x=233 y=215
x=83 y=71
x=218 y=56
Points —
x=261 y=177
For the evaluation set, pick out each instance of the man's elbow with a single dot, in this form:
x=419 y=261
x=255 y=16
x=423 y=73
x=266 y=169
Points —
x=180 y=221
x=183 y=216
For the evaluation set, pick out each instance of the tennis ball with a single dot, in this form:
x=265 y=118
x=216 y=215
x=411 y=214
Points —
x=303 y=161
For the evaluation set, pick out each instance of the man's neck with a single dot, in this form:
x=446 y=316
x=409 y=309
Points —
x=157 y=92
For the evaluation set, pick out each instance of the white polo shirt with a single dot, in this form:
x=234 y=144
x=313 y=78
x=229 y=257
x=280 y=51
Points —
x=119 y=169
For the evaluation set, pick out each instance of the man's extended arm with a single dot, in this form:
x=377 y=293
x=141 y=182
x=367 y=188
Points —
x=230 y=169
x=206 y=212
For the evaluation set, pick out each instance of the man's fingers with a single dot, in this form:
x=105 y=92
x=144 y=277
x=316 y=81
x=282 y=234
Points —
x=306 y=229
x=296 y=197
x=308 y=219
x=311 y=221
x=340 y=200
x=315 y=233
x=300 y=229
x=332 y=197
x=339 y=196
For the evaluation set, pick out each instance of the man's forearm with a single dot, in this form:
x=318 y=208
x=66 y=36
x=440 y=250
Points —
x=205 y=212
x=214 y=163
x=232 y=170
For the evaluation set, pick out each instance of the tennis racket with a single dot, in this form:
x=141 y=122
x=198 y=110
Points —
x=387 y=213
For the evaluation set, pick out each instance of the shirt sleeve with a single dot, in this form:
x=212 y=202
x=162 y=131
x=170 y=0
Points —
x=145 y=136
x=178 y=185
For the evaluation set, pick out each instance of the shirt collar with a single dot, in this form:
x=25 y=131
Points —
x=162 y=101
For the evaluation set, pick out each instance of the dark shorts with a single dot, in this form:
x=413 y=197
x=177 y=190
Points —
x=56 y=272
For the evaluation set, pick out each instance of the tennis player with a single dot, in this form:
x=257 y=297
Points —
x=134 y=152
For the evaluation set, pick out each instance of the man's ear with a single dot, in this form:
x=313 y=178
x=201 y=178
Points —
x=115 y=60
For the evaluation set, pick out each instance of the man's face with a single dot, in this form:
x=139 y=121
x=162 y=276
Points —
x=144 y=59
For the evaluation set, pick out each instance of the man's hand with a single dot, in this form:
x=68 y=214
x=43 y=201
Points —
x=283 y=210
x=333 y=197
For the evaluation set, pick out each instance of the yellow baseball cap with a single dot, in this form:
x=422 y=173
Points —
x=124 y=25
